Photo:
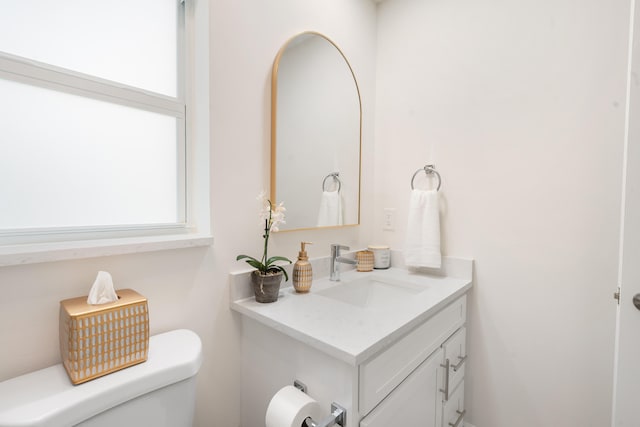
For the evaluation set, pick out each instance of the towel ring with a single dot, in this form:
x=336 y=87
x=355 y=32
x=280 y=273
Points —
x=428 y=169
x=335 y=176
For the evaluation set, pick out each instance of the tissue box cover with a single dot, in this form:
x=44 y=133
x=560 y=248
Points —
x=96 y=340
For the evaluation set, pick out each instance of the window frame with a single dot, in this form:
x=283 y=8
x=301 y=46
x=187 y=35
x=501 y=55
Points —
x=22 y=246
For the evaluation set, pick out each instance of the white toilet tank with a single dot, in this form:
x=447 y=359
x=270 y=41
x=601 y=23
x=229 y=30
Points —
x=159 y=392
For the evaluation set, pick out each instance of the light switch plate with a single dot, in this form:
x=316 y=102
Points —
x=389 y=219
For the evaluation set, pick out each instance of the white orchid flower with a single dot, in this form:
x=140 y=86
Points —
x=271 y=216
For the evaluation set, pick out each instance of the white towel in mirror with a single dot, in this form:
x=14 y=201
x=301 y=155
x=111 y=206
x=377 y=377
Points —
x=422 y=248
x=330 y=212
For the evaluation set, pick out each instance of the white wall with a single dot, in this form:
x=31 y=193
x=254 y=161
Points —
x=520 y=105
x=189 y=288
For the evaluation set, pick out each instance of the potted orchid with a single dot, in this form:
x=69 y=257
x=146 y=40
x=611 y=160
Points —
x=268 y=275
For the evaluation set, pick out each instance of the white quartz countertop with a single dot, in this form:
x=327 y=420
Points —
x=349 y=332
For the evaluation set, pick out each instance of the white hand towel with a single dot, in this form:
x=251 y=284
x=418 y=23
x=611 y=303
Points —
x=422 y=247
x=330 y=212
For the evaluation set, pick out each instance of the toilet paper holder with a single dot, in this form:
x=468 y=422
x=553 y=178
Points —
x=338 y=413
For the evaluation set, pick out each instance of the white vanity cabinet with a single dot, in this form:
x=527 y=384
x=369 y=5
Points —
x=415 y=381
x=395 y=365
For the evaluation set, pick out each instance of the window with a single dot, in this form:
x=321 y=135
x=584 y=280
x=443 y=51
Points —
x=94 y=136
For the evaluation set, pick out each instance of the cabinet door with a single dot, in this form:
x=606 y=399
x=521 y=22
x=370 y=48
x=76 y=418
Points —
x=415 y=402
x=383 y=373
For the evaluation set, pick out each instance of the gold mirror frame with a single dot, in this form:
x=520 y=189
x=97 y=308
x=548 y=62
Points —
x=274 y=145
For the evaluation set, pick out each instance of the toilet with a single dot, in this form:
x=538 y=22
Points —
x=159 y=392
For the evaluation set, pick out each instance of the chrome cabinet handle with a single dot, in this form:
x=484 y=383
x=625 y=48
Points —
x=446 y=380
x=460 y=418
x=636 y=301
x=459 y=364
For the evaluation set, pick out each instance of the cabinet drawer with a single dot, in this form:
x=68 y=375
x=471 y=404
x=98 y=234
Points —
x=455 y=351
x=385 y=371
x=453 y=413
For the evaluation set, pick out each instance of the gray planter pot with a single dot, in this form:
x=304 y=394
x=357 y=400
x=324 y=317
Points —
x=266 y=287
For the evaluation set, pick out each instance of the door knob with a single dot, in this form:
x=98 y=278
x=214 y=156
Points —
x=636 y=301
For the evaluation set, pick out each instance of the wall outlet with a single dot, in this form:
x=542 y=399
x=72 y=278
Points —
x=389 y=219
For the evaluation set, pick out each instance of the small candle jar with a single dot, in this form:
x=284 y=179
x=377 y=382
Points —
x=381 y=256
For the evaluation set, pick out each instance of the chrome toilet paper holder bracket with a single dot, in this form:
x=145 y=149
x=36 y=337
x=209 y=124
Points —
x=338 y=417
x=338 y=413
x=300 y=386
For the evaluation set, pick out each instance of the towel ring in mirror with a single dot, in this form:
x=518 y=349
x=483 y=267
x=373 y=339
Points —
x=428 y=169
x=335 y=176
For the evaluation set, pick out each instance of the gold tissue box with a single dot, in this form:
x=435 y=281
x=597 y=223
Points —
x=96 y=340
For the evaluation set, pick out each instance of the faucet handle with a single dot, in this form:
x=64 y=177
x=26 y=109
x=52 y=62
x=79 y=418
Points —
x=339 y=246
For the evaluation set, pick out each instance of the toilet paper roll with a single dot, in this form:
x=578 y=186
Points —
x=289 y=407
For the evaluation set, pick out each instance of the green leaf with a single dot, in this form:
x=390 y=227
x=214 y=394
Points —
x=286 y=276
x=277 y=258
x=256 y=264
x=252 y=262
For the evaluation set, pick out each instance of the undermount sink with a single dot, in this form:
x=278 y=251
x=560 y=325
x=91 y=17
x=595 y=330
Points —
x=372 y=292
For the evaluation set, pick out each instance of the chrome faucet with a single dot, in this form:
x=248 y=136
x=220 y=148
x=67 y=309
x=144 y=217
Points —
x=336 y=259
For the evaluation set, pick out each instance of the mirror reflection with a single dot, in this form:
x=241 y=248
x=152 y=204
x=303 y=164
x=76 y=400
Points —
x=315 y=134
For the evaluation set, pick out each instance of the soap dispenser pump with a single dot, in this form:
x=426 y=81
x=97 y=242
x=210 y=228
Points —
x=302 y=274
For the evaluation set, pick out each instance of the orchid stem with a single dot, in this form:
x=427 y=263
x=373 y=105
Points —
x=267 y=223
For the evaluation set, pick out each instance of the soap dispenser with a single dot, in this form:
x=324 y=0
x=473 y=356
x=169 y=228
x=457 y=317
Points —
x=302 y=274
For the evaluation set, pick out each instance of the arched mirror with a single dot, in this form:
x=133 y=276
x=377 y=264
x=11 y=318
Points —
x=316 y=120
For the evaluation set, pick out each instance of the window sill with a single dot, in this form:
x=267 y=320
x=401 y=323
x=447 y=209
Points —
x=61 y=251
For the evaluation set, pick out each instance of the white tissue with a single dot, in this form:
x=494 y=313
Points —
x=102 y=290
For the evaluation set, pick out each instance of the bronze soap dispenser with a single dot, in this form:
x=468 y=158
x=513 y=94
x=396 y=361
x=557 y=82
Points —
x=302 y=274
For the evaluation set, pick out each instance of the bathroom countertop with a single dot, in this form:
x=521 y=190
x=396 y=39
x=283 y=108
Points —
x=351 y=333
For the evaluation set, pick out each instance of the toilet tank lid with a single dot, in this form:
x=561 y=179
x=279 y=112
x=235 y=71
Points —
x=47 y=397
